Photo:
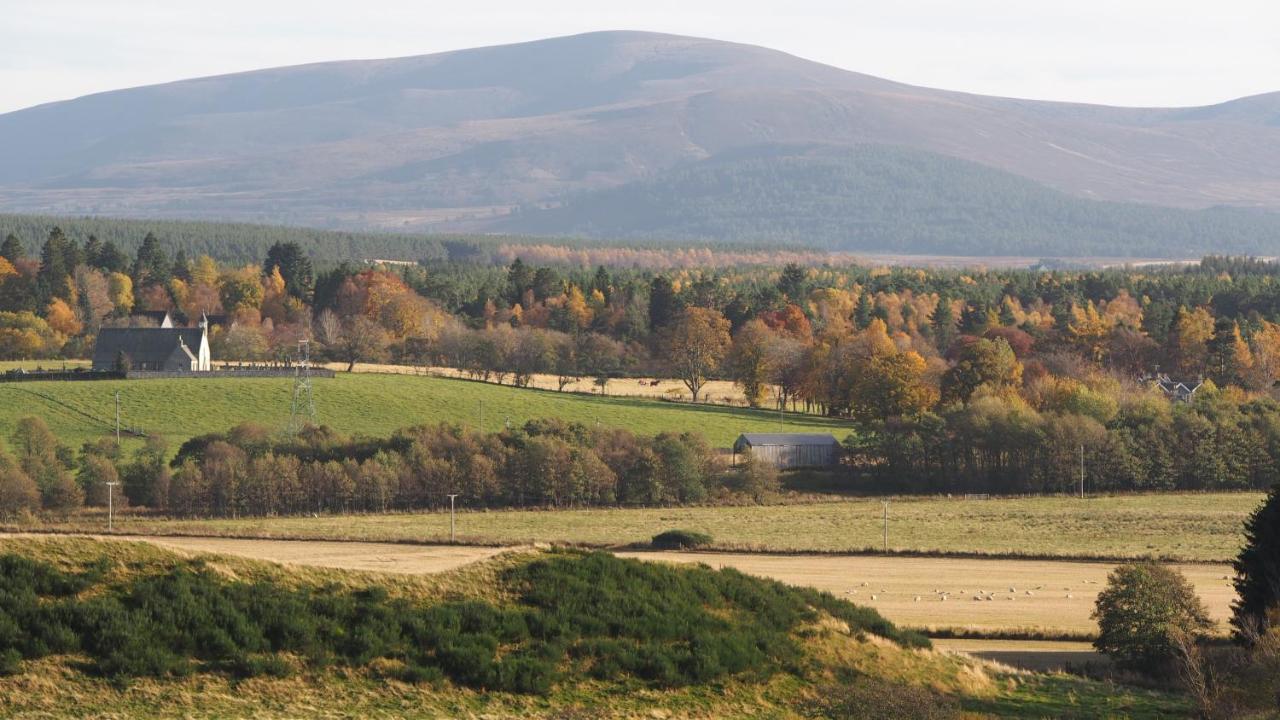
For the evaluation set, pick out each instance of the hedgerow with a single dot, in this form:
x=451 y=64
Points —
x=589 y=614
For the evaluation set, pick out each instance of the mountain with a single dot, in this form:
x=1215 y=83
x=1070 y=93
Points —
x=527 y=137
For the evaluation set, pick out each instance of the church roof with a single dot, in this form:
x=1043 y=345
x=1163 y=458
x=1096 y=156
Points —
x=143 y=345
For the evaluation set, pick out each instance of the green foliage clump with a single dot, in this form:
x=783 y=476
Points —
x=680 y=540
x=1141 y=611
x=574 y=614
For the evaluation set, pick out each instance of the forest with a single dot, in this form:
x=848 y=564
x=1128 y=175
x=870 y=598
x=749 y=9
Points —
x=890 y=200
x=999 y=381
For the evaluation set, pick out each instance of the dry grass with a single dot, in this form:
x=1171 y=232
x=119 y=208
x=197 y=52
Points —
x=1185 y=527
x=720 y=392
x=1062 y=594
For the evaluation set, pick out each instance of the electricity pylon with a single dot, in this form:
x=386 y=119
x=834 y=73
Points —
x=303 y=411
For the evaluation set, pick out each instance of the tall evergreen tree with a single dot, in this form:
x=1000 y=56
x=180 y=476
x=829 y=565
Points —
x=602 y=282
x=295 y=268
x=151 y=265
x=181 y=266
x=942 y=323
x=58 y=258
x=11 y=249
x=663 y=302
x=1257 y=569
x=519 y=280
x=1228 y=357
x=792 y=281
x=864 y=311
x=109 y=258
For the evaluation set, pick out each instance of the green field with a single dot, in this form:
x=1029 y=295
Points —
x=369 y=404
x=1188 y=527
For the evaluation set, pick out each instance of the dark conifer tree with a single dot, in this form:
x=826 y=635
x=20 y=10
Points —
x=1257 y=569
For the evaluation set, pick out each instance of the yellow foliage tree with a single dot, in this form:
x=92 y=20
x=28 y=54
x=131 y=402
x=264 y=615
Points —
x=62 y=318
x=120 y=288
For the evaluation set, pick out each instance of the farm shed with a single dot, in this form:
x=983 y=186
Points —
x=790 y=450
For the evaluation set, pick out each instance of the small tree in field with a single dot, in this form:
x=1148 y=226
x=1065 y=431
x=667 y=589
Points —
x=1258 y=570
x=757 y=477
x=1144 y=607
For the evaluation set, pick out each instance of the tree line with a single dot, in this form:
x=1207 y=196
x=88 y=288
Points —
x=250 y=470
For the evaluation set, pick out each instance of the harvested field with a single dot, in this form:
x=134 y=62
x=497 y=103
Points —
x=1046 y=597
x=1197 y=527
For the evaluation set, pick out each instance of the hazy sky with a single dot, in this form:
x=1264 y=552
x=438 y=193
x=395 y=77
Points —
x=1127 y=52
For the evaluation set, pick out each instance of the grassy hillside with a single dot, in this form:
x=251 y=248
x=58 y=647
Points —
x=742 y=646
x=891 y=199
x=360 y=403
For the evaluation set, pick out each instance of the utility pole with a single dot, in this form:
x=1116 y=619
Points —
x=886 y=527
x=452 y=525
x=111 y=508
x=117 y=419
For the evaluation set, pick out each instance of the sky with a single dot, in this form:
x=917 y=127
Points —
x=1119 y=52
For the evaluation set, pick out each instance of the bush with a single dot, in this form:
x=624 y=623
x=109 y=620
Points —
x=607 y=617
x=1142 y=605
x=680 y=540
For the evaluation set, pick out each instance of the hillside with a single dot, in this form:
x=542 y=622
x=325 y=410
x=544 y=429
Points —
x=361 y=404
x=885 y=199
x=457 y=141
x=535 y=634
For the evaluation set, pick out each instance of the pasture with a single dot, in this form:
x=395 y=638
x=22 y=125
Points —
x=363 y=403
x=1194 y=527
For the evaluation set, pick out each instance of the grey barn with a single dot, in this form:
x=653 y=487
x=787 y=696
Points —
x=790 y=450
x=166 y=349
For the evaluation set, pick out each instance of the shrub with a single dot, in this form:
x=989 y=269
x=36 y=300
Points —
x=610 y=618
x=680 y=540
x=1141 y=606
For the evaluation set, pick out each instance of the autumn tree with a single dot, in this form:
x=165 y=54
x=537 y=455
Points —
x=891 y=385
x=694 y=346
x=982 y=363
x=1140 y=609
x=748 y=360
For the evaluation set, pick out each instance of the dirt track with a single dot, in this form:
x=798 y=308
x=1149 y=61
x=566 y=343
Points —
x=380 y=557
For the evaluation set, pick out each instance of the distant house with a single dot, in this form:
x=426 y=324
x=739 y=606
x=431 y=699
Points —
x=790 y=450
x=1176 y=390
x=157 y=349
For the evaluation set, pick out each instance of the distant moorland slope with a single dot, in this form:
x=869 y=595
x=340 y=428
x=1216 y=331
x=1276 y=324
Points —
x=549 y=136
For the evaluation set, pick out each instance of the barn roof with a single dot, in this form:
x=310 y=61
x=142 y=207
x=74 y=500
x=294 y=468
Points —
x=143 y=345
x=763 y=439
